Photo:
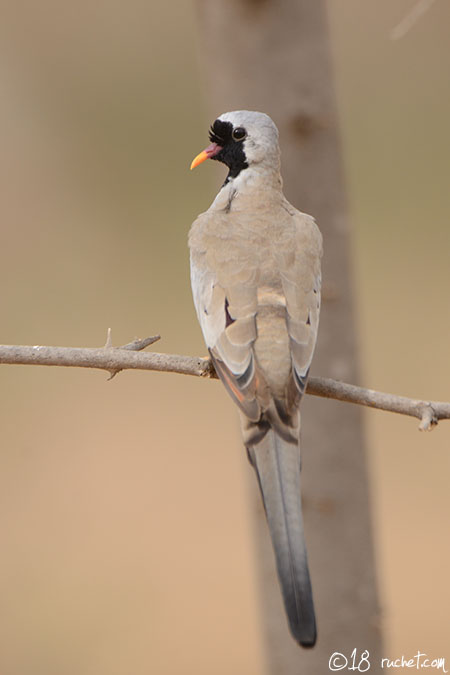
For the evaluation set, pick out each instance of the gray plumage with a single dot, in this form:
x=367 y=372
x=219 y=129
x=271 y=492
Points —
x=255 y=271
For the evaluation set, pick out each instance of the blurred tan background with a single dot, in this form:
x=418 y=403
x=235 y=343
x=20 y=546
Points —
x=124 y=520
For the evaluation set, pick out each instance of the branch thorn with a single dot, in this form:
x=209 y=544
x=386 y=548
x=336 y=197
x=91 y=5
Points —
x=428 y=420
x=108 y=343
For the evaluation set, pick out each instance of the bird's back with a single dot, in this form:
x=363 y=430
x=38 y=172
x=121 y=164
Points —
x=261 y=256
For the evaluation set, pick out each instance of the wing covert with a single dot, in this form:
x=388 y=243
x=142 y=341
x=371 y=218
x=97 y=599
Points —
x=301 y=280
x=227 y=316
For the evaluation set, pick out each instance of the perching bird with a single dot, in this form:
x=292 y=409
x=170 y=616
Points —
x=255 y=272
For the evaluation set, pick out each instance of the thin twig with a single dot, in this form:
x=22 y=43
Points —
x=408 y=21
x=114 y=359
x=104 y=358
x=428 y=412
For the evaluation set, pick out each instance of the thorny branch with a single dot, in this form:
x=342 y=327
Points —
x=129 y=356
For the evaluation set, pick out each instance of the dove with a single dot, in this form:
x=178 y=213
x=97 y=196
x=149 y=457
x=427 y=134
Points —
x=256 y=276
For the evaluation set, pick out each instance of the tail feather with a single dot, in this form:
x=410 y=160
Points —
x=277 y=465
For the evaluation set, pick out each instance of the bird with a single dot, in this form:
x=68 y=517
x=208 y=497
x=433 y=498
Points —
x=256 y=275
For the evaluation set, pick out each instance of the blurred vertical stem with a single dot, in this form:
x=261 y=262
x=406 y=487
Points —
x=274 y=56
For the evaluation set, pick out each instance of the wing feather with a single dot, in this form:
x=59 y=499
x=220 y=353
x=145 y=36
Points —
x=301 y=278
x=227 y=316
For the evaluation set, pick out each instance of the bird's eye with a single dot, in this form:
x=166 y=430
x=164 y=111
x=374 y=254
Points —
x=239 y=133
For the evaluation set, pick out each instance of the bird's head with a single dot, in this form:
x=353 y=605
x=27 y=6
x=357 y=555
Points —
x=242 y=139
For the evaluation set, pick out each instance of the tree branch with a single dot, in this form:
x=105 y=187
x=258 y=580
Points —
x=115 y=359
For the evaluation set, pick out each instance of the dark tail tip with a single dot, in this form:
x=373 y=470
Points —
x=308 y=644
x=305 y=636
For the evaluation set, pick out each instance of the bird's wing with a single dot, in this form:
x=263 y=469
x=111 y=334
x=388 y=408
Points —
x=299 y=266
x=225 y=297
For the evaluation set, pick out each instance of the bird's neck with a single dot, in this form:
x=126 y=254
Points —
x=252 y=188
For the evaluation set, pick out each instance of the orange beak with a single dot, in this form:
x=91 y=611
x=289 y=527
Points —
x=211 y=151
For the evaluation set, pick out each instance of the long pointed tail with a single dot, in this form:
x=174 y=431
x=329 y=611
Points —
x=277 y=465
